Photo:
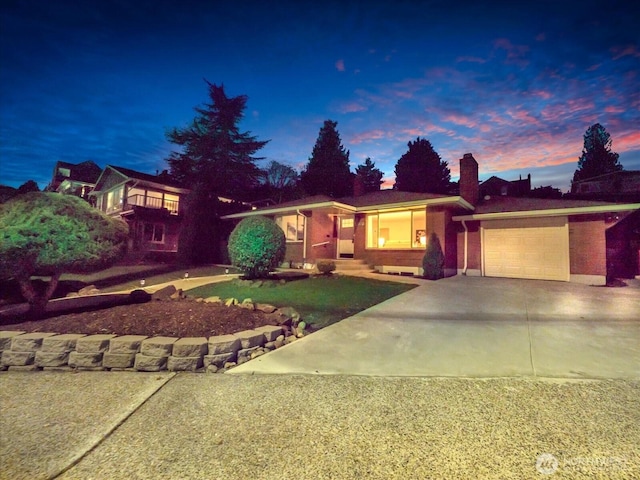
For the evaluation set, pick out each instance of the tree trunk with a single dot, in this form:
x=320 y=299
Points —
x=37 y=300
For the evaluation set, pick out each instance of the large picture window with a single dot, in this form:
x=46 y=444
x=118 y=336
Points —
x=292 y=226
x=397 y=230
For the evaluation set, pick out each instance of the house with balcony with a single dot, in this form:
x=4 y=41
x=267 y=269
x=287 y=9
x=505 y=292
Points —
x=74 y=178
x=152 y=206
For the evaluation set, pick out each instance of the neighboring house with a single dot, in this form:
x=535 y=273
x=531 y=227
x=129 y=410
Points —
x=495 y=186
x=74 y=179
x=152 y=205
x=622 y=186
x=567 y=240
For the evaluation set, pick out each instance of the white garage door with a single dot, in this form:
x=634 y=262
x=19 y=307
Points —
x=526 y=248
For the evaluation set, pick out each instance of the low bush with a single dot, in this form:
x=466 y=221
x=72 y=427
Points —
x=326 y=266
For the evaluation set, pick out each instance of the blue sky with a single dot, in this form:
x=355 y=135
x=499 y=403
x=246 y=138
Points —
x=515 y=83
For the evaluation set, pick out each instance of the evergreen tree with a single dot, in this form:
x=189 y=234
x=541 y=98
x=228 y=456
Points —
x=328 y=169
x=597 y=158
x=420 y=169
x=369 y=175
x=215 y=159
x=214 y=151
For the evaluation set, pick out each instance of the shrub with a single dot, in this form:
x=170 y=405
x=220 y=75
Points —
x=48 y=234
x=433 y=260
x=326 y=266
x=256 y=246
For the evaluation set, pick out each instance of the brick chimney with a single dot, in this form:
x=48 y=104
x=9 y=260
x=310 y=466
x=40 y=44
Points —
x=469 y=186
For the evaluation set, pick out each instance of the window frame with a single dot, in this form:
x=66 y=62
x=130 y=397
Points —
x=372 y=227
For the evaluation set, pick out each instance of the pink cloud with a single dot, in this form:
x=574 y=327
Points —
x=460 y=120
x=613 y=109
x=620 y=52
x=367 y=136
x=340 y=65
x=351 y=107
x=542 y=94
x=515 y=53
x=471 y=59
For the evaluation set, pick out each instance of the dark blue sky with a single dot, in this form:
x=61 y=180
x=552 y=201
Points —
x=515 y=83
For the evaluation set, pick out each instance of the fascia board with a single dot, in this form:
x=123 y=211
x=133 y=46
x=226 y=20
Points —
x=415 y=204
x=292 y=209
x=552 y=212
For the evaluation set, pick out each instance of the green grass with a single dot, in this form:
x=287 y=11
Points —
x=320 y=300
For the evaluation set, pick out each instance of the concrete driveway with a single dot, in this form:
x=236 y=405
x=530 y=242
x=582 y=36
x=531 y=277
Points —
x=477 y=327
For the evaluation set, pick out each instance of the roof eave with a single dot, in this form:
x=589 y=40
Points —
x=551 y=212
x=290 y=208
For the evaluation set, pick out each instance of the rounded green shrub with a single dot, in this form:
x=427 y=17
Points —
x=433 y=260
x=256 y=246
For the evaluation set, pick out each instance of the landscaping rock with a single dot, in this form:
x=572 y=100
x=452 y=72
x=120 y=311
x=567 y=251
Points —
x=184 y=364
x=146 y=363
x=247 y=303
x=93 y=343
x=214 y=299
x=219 y=359
x=139 y=296
x=244 y=355
x=270 y=332
x=287 y=316
x=126 y=344
x=212 y=369
x=164 y=293
x=85 y=360
x=51 y=359
x=29 y=342
x=190 y=347
x=118 y=360
x=157 y=346
x=88 y=290
x=61 y=343
x=11 y=358
x=250 y=338
x=5 y=338
x=223 y=344
x=265 y=307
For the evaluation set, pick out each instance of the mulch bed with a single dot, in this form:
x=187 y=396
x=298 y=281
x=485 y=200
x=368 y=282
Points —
x=183 y=318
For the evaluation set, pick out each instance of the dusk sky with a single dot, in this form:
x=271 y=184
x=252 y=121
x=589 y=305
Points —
x=515 y=83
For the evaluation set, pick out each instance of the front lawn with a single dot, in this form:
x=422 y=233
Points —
x=320 y=300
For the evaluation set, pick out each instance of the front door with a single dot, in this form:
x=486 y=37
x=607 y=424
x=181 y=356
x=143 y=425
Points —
x=345 y=236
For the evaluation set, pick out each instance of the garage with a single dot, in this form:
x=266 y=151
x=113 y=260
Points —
x=532 y=248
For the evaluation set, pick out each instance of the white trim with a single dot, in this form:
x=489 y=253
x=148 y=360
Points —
x=382 y=207
x=552 y=212
x=588 y=279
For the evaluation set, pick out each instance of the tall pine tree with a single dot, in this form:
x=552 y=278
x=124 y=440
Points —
x=215 y=159
x=597 y=158
x=328 y=172
x=369 y=175
x=421 y=169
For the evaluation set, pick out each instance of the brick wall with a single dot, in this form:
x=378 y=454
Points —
x=474 y=258
x=587 y=245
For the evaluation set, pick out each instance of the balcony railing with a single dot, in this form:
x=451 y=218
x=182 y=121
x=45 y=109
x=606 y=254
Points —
x=152 y=202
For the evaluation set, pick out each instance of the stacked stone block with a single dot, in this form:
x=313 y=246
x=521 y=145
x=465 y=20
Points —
x=154 y=354
x=122 y=352
x=34 y=351
x=89 y=352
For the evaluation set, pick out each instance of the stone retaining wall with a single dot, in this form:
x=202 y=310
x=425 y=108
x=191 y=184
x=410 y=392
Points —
x=50 y=351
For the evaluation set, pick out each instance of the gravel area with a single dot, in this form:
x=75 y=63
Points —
x=347 y=427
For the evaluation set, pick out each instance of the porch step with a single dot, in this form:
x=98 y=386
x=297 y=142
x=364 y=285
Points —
x=348 y=264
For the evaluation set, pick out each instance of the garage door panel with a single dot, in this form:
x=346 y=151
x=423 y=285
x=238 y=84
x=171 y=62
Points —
x=532 y=248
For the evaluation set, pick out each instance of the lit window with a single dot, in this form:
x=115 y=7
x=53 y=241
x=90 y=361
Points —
x=292 y=226
x=397 y=230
